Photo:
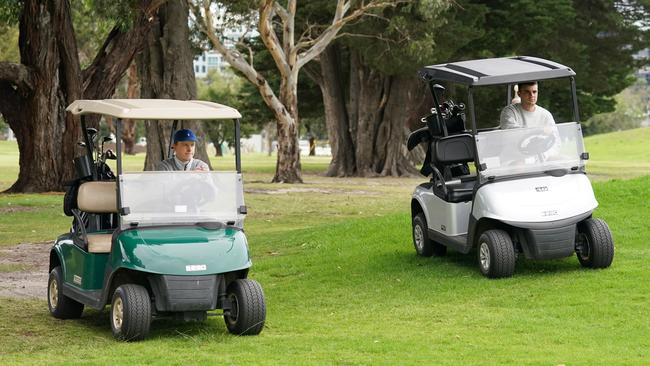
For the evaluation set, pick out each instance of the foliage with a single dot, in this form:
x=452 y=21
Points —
x=400 y=40
x=592 y=37
x=224 y=88
x=632 y=106
x=9 y=43
x=92 y=25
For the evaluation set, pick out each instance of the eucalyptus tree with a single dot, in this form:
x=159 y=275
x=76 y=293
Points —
x=291 y=49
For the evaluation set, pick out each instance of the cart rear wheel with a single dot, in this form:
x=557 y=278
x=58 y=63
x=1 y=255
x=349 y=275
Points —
x=595 y=246
x=61 y=306
x=130 y=313
x=496 y=254
x=424 y=246
x=247 y=311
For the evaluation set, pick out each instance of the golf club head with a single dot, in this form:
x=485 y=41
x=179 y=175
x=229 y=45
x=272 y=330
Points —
x=109 y=154
x=92 y=132
x=81 y=144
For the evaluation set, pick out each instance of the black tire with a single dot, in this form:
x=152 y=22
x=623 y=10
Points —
x=130 y=313
x=424 y=246
x=248 y=309
x=595 y=246
x=61 y=306
x=496 y=254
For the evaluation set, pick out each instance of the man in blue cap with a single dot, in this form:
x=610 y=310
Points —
x=183 y=159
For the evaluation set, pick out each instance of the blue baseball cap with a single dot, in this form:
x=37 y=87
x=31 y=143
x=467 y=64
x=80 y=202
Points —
x=184 y=135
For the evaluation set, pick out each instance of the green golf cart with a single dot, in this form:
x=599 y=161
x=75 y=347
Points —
x=154 y=243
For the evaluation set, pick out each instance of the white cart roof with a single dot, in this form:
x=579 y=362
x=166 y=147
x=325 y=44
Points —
x=494 y=71
x=167 y=109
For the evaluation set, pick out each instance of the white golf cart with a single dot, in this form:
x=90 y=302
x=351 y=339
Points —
x=528 y=194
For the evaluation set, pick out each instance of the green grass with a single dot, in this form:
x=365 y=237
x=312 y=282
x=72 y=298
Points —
x=343 y=285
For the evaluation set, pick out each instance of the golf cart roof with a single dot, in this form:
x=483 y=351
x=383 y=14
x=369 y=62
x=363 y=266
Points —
x=494 y=71
x=166 y=109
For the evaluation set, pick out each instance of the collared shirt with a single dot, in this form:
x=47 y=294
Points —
x=174 y=164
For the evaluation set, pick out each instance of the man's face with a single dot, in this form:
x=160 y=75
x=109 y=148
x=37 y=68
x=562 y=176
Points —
x=528 y=95
x=184 y=150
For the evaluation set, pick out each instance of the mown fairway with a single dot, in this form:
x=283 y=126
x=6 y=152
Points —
x=343 y=284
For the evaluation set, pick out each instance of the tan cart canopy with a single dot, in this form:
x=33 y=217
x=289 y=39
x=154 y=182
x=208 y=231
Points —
x=152 y=109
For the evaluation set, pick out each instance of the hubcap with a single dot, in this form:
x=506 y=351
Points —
x=484 y=255
x=233 y=314
x=54 y=294
x=583 y=248
x=118 y=313
x=419 y=237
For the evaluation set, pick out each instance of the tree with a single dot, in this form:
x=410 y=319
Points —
x=290 y=56
x=369 y=84
x=596 y=38
x=166 y=71
x=35 y=92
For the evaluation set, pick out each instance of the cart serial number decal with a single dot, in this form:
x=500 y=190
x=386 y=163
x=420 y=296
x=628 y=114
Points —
x=549 y=213
x=195 y=267
x=76 y=279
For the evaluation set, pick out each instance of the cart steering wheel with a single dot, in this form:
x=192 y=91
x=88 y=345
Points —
x=536 y=142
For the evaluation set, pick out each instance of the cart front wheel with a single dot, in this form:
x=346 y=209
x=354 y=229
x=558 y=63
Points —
x=594 y=244
x=61 y=306
x=247 y=311
x=496 y=254
x=130 y=313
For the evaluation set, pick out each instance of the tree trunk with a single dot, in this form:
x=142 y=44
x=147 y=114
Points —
x=166 y=71
x=371 y=128
x=132 y=92
x=336 y=117
x=217 y=148
x=391 y=154
x=287 y=168
x=33 y=99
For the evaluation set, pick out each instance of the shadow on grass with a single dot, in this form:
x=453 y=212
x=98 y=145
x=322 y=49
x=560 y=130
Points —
x=458 y=264
x=98 y=322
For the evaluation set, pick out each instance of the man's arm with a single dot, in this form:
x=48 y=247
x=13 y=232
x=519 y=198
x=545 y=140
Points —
x=508 y=119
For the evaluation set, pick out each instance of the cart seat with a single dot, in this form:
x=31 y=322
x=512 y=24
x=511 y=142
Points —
x=99 y=243
x=447 y=151
x=97 y=197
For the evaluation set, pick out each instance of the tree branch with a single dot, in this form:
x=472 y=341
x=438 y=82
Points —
x=318 y=45
x=204 y=20
x=18 y=75
x=116 y=54
x=270 y=39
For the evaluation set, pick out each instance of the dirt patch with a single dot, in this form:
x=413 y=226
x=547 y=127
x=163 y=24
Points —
x=14 y=208
x=306 y=190
x=31 y=281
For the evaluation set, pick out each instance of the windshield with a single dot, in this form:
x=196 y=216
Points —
x=177 y=197
x=530 y=150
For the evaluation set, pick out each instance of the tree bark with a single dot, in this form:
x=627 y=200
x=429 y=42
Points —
x=370 y=128
x=34 y=104
x=132 y=92
x=166 y=72
x=336 y=117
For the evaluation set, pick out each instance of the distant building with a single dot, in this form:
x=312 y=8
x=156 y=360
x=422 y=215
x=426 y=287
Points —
x=213 y=60
x=644 y=73
x=209 y=60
